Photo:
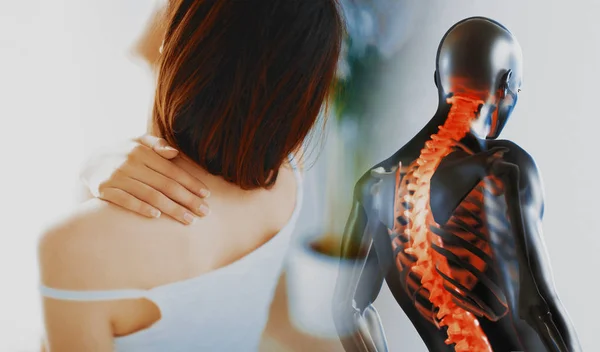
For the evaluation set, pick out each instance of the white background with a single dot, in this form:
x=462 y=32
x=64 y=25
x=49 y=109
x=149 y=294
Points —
x=68 y=86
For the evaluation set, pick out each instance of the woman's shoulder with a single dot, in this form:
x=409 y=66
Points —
x=95 y=247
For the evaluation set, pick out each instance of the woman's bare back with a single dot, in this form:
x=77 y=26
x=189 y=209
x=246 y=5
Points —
x=112 y=248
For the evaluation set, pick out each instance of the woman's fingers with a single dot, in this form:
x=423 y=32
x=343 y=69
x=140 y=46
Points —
x=173 y=172
x=129 y=202
x=148 y=195
x=169 y=188
x=166 y=152
x=159 y=145
x=151 y=141
x=146 y=182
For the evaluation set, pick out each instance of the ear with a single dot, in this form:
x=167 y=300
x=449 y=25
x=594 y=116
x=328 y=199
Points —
x=504 y=80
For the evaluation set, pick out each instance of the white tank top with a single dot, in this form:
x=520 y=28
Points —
x=222 y=310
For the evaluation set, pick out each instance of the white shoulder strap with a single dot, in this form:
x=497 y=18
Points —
x=108 y=295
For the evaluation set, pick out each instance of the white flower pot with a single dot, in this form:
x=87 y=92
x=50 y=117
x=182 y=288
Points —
x=311 y=278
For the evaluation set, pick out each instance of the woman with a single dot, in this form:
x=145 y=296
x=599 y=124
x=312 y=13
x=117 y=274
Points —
x=240 y=85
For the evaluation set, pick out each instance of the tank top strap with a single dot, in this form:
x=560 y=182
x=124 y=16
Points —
x=162 y=300
x=95 y=295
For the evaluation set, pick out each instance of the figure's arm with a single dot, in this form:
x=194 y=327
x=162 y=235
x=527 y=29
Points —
x=358 y=323
x=142 y=177
x=538 y=301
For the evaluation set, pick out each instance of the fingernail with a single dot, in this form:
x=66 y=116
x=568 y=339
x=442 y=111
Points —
x=204 y=210
x=166 y=147
x=204 y=193
x=155 y=213
x=189 y=218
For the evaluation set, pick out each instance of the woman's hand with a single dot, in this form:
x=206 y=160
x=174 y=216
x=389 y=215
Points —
x=143 y=179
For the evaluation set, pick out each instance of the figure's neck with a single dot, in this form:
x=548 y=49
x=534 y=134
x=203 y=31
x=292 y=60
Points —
x=440 y=118
x=413 y=148
x=436 y=121
x=474 y=143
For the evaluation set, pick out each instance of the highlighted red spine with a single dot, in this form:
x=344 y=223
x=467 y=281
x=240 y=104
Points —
x=463 y=328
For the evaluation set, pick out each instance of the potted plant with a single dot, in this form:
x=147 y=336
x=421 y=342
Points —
x=376 y=30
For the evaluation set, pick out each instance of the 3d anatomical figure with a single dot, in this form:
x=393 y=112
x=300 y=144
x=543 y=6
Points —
x=452 y=220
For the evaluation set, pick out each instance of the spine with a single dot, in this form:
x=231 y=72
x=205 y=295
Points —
x=463 y=328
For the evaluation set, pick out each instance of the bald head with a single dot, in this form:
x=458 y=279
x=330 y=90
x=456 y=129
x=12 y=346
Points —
x=475 y=56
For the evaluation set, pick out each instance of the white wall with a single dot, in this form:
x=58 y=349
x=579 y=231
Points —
x=556 y=120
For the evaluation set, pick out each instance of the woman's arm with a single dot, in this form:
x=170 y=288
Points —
x=73 y=255
x=77 y=326
x=141 y=177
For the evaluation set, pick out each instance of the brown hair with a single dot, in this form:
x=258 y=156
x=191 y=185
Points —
x=241 y=82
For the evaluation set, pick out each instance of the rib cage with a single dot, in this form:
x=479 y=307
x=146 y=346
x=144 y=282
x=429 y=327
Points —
x=467 y=248
x=467 y=238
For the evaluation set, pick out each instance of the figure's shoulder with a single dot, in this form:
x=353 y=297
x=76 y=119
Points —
x=530 y=179
x=91 y=247
x=382 y=172
x=516 y=155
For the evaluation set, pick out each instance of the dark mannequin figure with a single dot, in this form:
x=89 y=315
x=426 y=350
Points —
x=452 y=220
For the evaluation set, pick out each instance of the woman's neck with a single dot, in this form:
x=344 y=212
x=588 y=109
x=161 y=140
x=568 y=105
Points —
x=215 y=183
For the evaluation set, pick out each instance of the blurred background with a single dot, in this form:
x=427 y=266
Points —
x=71 y=82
